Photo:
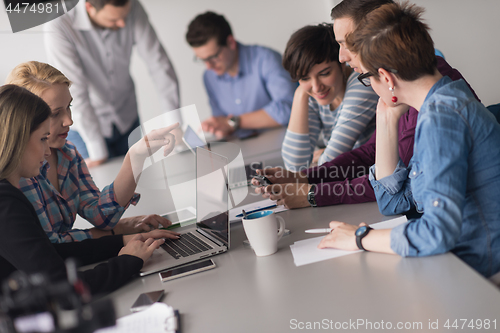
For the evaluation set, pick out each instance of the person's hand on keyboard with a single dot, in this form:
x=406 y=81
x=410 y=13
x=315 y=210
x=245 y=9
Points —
x=141 y=223
x=143 y=245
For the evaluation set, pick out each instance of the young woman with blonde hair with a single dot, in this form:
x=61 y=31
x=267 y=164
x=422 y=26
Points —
x=24 y=245
x=64 y=188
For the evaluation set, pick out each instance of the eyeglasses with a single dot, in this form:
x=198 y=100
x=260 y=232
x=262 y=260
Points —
x=211 y=59
x=364 y=78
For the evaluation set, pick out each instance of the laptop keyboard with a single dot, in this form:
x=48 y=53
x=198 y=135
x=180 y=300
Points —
x=185 y=246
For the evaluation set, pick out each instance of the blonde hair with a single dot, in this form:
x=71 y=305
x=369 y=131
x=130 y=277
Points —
x=21 y=113
x=36 y=77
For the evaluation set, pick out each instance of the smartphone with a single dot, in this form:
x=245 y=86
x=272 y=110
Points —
x=263 y=180
x=146 y=299
x=187 y=270
x=251 y=170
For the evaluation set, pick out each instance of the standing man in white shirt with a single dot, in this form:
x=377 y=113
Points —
x=92 y=45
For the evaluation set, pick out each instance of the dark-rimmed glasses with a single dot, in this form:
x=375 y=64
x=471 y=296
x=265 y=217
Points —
x=210 y=59
x=364 y=78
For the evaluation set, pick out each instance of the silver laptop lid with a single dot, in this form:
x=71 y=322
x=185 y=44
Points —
x=212 y=194
x=192 y=140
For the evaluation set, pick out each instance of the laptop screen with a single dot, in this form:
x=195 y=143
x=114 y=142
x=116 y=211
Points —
x=191 y=139
x=212 y=194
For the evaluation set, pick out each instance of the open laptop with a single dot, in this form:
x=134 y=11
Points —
x=192 y=140
x=238 y=176
x=210 y=235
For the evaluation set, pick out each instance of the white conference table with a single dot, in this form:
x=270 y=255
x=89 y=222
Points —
x=159 y=196
x=246 y=293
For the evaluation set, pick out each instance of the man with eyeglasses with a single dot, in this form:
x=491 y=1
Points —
x=247 y=86
x=92 y=44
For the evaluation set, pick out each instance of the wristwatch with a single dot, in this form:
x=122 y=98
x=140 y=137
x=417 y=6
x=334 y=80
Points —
x=310 y=196
x=360 y=233
x=234 y=122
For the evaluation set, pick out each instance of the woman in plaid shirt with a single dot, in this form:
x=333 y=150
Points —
x=24 y=245
x=64 y=187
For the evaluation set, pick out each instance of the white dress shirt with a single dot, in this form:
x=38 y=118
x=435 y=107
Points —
x=97 y=61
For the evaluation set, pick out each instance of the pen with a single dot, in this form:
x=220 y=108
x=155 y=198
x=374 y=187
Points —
x=258 y=210
x=319 y=231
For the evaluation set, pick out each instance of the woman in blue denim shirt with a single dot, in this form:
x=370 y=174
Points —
x=454 y=175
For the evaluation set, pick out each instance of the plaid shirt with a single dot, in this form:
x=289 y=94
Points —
x=57 y=210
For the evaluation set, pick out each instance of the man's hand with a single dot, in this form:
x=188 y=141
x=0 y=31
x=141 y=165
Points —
x=279 y=176
x=141 y=223
x=219 y=126
x=291 y=195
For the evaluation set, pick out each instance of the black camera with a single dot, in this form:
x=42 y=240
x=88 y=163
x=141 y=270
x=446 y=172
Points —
x=32 y=303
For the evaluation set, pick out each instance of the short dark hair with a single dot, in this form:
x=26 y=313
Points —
x=394 y=38
x=99 y=4
x=308 y=46
x=207 y=26
x=356 y=9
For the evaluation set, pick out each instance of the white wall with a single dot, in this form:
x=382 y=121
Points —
x=465 y=31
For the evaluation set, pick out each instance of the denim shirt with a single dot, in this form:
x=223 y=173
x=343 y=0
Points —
x=453 y=178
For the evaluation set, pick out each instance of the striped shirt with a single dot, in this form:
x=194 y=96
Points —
x=79 y=195
x=348 y=126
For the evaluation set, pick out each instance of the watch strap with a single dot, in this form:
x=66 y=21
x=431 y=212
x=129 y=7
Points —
x=311 y=196
x=360 y=237
x=234 y=122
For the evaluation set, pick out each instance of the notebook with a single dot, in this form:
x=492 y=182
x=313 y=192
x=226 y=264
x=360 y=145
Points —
x=210 y=235
x=158 y=318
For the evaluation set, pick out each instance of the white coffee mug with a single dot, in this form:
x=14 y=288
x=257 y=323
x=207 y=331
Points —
x=263 y=231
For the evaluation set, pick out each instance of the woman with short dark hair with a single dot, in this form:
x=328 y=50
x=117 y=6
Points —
x=329 y=100
x=64 y=188
x=453 y=177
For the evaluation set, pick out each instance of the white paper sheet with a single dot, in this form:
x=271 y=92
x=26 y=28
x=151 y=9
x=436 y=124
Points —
x=306 y=251
x=256 y=205
x=158 y=318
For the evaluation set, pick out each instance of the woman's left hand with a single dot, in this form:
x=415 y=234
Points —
x=141 y=223
x=342 y=237
x=391 y=110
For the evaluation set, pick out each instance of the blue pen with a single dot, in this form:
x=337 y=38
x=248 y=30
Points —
x=258 y=210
